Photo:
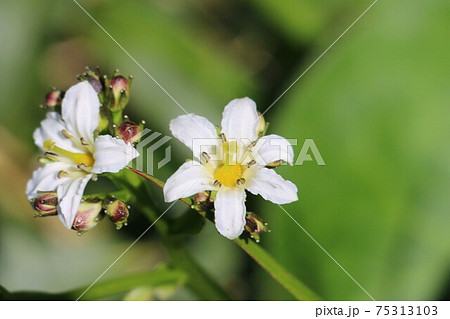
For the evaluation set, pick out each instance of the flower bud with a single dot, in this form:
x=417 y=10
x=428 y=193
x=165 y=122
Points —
x=262 y=126
x=45 y=204
x=118 y=92
x=255 y=226
x=88 y=215
x=93 y=77
x=117 y=211
x=203 y=202
x=129 y=132
x=53 y=99
x=103 y=120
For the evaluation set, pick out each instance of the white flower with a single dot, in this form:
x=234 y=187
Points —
x=230 y=164
x=74 y=152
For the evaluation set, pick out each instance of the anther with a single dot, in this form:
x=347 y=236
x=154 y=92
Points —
x=62 y=173
x=66 y=134
x=82 y=167
x=206 y=157
x=240 y=181
x=223 y=137
x=83 y=141
x=252 y=162
x=217 y=183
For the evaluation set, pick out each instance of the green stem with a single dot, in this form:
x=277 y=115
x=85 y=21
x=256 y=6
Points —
x=298 y=289
x=198 y=280
x=116 y=117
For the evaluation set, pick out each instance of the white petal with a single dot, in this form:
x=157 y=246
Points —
x=240 y=121
x=272 y=187
x=69 y=198
x=80 y=111
x=196 y=132
x=191 y=178
x=45 y=179
x=230 y=212
x=272 y=148
x=51 y=128
x=112 y=154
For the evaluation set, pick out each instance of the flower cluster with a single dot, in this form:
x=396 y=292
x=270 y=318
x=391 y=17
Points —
x=76 y=148
x=90 y=136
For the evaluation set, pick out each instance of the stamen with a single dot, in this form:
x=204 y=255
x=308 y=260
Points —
x=66 y=134
x=217 y=183
x=223 y=137
x=62 y=173
x=206 y=157
x=83 y=141
x=252 y=162
x=79 y=158
x=240 y=181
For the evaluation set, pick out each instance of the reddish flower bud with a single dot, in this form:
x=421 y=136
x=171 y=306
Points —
x=53 y=98
x=45 y=204
x=129 y=132
x=117 y=211
x=87 y=216
x=119 y=85
x=118 y=92
x=255 y=226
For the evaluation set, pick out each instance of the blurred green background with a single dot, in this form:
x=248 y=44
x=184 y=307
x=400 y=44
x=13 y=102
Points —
x=377 y=106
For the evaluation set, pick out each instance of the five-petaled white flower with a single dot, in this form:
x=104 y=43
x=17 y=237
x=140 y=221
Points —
x=230 y=164
x=76 y=154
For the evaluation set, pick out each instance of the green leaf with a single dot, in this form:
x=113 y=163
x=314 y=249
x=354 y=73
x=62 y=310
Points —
x=159 y=277
x=4 y=294
x=377 y=107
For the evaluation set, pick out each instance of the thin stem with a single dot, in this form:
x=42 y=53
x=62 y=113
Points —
x=198 y=280
x=298 y=289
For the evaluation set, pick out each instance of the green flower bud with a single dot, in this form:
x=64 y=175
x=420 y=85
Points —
x=103 y=120
x=45 y=204
x=117 y=92
x=262 y=126
x=117 y=212
x=255 y=226
x=87 y=216
x=93 y=77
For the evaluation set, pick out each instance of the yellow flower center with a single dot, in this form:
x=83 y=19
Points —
x=79 y=158
x=228 y=175
x=230 y=171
